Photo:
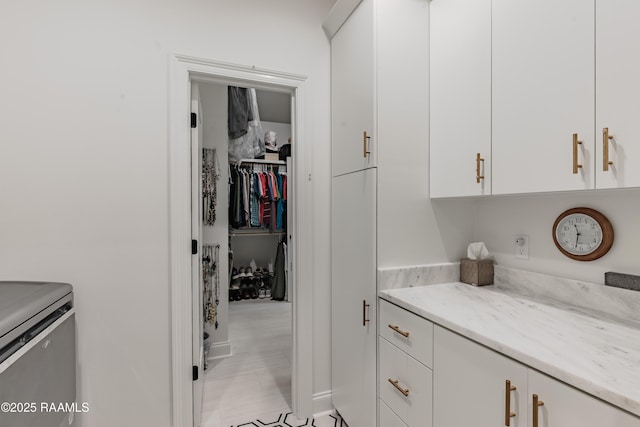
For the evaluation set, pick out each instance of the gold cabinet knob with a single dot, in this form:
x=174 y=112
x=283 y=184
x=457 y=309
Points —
x=400 y=331
x=576 y=165
x=508 y=388
x=605 y=149
x=404 y=391
x=536 y=404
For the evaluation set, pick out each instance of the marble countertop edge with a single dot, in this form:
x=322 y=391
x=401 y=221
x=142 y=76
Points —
x=562 y=368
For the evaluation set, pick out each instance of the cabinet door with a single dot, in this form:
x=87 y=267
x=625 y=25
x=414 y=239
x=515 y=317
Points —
x=469 y=384
x=353 y=284
x=352 y=93
x=565 y=406
x=460 y=97
x=617 y=93
x=542 y=93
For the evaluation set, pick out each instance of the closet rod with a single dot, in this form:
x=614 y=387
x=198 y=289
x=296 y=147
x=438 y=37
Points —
x=261 y=161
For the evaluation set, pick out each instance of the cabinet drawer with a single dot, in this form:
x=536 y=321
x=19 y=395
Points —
x=388 y=418
x=419 y=341
x=413 y=378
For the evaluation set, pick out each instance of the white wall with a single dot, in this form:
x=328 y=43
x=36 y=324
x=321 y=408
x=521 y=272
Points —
x=83 y=167
x=411 y=228
x=500 y=219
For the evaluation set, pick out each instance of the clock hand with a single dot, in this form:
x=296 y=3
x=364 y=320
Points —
x=577 y=236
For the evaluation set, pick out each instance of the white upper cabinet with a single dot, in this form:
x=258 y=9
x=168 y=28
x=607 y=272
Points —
x=618 y=93
x=352 y=93
x=460 y=74
x=542 y=94
x=561 y=81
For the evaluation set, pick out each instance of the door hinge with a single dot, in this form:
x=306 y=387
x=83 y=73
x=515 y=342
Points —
x=194 y=247
x=194 y=120
x=195 y=373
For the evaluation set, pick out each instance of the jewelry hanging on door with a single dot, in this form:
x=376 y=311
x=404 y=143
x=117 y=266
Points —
x=210 y=176
x=216 y=273
x=209 y=276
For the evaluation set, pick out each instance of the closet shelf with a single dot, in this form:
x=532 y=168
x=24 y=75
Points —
x=255 y=232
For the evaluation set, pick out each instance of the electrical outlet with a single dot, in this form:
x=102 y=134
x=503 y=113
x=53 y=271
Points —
x=522 y=247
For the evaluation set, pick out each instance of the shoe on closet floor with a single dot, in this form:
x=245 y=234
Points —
x=234 y=294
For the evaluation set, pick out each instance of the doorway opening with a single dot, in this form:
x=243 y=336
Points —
x=185 y=71
x=243 y=298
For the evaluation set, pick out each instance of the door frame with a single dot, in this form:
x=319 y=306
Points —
x=183 y=70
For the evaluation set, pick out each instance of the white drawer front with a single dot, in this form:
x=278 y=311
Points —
x=415 y=409
x=419 y=341
x=388 y=418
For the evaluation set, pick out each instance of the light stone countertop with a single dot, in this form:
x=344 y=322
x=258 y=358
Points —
x=593 y=353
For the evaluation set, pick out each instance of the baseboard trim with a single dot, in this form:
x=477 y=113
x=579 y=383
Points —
x=322 y=404
x=219 y=350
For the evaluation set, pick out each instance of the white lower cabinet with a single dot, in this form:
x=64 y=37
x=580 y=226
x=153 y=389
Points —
x=405 y=375
x=407 y=331
x=470 y=388
x=406 y=385
x=353 y=297
x=470 y=384
x=563 y=405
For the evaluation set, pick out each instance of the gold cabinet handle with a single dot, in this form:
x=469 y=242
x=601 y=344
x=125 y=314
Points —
x=404 y=391
x=478 y=160
x=365 y=138
x=576 y=165
x=364 y=313
x=508 y=388
x=536 y=404
x=605 y=149
x=400 y=331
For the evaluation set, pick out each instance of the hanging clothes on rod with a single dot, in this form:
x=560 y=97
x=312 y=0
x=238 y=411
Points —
x=257 y=195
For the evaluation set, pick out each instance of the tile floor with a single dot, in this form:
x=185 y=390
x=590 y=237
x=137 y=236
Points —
x=256 y=380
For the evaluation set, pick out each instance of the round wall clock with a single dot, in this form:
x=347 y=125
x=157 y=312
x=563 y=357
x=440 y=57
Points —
x=583 y=234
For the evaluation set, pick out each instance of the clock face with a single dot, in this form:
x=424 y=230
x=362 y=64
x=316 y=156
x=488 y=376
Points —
x=579 y=234
x=583 y=234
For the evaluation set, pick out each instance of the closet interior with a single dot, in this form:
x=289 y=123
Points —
x=258 y=221
x=246 y=166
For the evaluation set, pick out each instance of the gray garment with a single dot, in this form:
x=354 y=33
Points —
x=279 y=287
x=239 y=112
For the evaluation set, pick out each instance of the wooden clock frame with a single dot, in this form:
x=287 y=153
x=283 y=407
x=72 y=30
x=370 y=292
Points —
x=605 y=225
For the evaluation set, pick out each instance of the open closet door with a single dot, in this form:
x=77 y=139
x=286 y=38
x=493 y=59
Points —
x=291 y=262
x=196 y=263
x=291 y=223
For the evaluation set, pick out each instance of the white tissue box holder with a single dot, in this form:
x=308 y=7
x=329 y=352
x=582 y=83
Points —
x=477 y=272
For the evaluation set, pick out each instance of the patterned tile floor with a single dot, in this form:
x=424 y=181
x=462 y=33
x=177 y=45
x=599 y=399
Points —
x=288 y=420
